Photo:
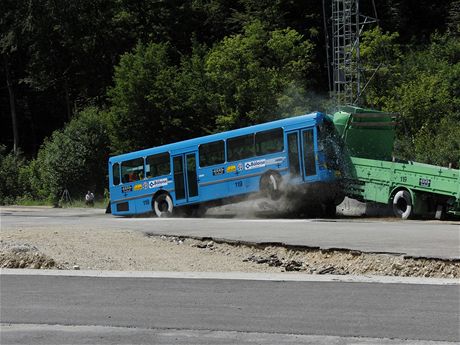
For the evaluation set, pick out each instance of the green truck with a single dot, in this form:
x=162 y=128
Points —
x=371 y=173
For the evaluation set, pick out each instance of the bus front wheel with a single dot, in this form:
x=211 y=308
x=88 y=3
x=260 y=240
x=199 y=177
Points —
x=163 y=205
x=402 y=205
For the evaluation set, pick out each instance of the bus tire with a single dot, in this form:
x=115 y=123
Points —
x=329 y=209
x=270 y=185
x=402 y=205
x=163 y=205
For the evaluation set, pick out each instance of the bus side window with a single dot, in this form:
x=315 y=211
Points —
x=269 y=141
x=212 y=153
x=158 y=165
x=241 y=147
x=131 y=170
x=116 y=174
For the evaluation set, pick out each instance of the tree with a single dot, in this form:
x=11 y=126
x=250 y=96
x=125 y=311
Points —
x=157 y=101
x=251 y=71
x=427 y=98
x=74 y=158
x=9 y=47
x=380 y=56
x=144 y=99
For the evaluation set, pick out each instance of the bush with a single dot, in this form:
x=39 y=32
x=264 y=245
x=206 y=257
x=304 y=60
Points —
x=74 y=158
x=11 y=186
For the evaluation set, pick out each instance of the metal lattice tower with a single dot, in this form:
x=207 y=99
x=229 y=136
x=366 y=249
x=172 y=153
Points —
x=347 y=25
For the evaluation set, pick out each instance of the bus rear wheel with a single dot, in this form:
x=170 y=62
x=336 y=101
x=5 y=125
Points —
x=270 y=185
x=402 y=205
x=163 y=205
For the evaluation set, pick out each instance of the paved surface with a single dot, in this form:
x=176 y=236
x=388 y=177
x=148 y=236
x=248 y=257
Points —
x=58 y=334
x=46 y=309
x=413 y=238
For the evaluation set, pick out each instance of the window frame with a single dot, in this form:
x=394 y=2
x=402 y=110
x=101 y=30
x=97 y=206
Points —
x=129 y=160
x=279 y=129
x=239 y=138
x=119 y=174
x=209 y=143
x=149 y=165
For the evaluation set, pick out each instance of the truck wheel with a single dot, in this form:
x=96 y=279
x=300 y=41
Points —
x=270 y=185
x=402 y=204
x=440 y=212
x=163 y=205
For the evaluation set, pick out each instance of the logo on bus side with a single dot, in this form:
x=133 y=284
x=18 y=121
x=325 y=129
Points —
x=240 y=167
x=231 y=168
x=260 y=163
x=138 y=187
x=158 y=183
x=126 y=189
x=218 y=171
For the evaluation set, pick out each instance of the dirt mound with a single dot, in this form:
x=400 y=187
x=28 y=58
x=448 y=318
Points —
x=14 y=255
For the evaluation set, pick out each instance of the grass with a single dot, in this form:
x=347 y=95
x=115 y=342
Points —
x=81 y=204
x=32 y=202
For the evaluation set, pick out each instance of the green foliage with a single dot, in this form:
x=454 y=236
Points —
x=380 y=56
x=181 y=69
x=155 y=101
x=422 y=86
x=74 y=159
x=142 y=97
x=439 y=145
x=427 y=100
x=10 y=184
x=251 y=72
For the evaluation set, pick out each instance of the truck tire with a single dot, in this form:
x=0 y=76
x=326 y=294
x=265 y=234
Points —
x=270 y=185
x=402 y=205
x=163 y=205
x=440 y=212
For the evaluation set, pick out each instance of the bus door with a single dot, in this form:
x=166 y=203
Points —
x=301 y=155
x=185 y=178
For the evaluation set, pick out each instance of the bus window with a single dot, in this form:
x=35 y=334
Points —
x=309 y=153
x=132 y=170
x=179 y=177
x=293 y=154
x=212 y=153
x=240 y=147
x=191 y=175
x=269 y=141
x=116 y=174
x=158 y=165
x=328 y=142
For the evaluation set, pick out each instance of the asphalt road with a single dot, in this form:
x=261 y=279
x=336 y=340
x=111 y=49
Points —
x=412 y=238
x=63 y=309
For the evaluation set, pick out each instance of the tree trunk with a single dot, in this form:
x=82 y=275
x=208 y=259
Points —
x=12 y=106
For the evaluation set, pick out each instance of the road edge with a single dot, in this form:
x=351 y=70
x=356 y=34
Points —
x=284 y=277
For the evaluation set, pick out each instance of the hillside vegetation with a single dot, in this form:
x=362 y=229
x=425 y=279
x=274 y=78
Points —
x=82 y=80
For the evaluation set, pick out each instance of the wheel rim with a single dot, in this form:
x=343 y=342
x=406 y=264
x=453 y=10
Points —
x=163 y=206
x=402 y=205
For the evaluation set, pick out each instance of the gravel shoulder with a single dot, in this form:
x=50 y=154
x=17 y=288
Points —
x=124 y=250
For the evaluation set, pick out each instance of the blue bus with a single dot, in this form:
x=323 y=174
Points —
x=292 y=155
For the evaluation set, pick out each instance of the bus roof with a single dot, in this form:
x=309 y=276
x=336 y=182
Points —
x=309 y=119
